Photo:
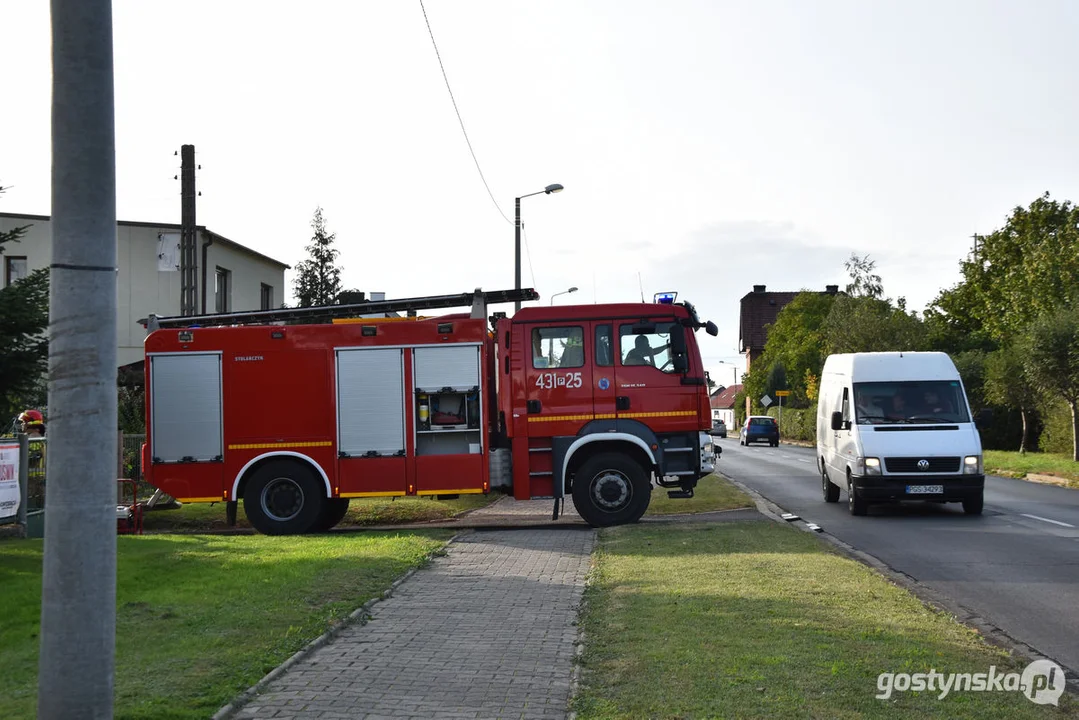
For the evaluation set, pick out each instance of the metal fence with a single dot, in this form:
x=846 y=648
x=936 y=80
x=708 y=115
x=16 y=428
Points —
x=128 y=465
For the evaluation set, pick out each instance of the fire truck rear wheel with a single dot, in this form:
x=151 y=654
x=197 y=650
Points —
x=333 y=512
x=283 y=497
x=611 y=489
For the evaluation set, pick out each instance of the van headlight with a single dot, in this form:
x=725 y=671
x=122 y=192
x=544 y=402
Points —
x=870 y=465
x=972 y=464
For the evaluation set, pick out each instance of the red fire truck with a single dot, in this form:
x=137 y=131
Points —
x=298 y=410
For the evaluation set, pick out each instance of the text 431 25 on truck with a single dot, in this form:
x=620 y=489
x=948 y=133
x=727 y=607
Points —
x=297 y=411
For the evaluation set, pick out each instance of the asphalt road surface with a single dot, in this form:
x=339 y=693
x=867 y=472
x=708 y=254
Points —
x=1016 y=565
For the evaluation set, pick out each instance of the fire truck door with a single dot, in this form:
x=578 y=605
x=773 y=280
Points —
x=604 y=354
x=558 y=379
x=649 y=378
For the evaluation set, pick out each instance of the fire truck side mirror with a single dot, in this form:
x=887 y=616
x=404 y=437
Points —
x=711 y=329
x=679 y=358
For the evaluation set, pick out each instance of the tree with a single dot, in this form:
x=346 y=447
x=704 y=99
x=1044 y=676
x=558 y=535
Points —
x=1018 y=273
x=318 y=280
x=796 y=342
x=863 y=281
x=24 y=344
x=1052 y=360
x=1007 y=383
x=868 y=324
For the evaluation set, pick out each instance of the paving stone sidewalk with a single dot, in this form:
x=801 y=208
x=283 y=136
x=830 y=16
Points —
x=487 y=631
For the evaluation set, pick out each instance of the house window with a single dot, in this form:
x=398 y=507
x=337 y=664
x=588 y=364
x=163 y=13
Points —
x=222 y=290
x=14 y=269
x=265 y=297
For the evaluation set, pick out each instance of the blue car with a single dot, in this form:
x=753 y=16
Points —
x=759 y=428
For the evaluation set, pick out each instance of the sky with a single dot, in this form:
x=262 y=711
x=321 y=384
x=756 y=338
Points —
x=704 y=146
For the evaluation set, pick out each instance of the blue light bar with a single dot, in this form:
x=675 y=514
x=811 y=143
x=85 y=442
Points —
x=665 y=298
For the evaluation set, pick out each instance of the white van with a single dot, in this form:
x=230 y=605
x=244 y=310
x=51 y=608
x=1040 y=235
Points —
x=896 y=426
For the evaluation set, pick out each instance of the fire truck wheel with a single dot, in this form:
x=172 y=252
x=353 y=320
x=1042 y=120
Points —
x=611 y=489
x=283 y=497
x=333 y=511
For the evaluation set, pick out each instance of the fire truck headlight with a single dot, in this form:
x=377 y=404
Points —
x=708 y=453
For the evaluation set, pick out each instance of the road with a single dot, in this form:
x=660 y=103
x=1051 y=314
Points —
x=1016 y=565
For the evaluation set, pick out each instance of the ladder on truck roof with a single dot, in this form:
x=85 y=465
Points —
x=477 y=299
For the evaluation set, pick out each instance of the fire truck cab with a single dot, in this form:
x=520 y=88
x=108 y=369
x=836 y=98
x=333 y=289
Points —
x=297 y=411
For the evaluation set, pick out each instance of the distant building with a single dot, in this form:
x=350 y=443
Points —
x=759 y=310
x=722 y=402
x=234 y=278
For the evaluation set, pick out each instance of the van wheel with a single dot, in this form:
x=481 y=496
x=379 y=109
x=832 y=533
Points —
x=333 y=511
x=283 y=497
x=855 y=502
x=830 y=489
x=973 y=506
x=611 y=489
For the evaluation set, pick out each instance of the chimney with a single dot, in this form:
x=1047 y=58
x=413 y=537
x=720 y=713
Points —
x=758 y=288
x=831 y=289
x=378 y=296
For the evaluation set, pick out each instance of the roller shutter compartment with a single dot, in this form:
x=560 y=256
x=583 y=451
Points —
x=370 y=402
x=185 y=407
x=456 y=367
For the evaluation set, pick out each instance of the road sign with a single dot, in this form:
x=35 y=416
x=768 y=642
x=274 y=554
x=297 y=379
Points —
x=782 y=393
x=766 y=401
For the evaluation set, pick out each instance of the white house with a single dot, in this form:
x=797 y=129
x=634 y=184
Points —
x=231 y=277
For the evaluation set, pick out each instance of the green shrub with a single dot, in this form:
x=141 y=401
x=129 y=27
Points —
x=1056 y=434
x=800 y=425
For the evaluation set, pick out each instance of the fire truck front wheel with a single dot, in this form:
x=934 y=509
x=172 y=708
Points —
x=611 y=489
x=283 y=497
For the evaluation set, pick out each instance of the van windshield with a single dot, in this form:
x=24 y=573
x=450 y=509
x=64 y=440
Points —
x=918 y=401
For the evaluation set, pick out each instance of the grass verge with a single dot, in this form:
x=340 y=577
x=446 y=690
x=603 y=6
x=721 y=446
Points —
x=361 y=512
x=756 y=620
x=1013 y=464
x=712 y=493
x=202 y=618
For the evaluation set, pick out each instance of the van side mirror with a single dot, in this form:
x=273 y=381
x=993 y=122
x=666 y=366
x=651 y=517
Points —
x=837 y=421
x=984 y=418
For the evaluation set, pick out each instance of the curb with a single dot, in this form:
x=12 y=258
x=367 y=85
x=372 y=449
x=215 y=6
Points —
x=575 y=675
x=358 y=616
x=928 y=596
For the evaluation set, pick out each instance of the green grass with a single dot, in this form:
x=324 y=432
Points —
x=202 y=618
x=361 y=512
x=1012 y=464
x=712 y=493
x=755 y=620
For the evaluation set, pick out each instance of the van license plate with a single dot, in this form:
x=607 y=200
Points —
x=925 y=489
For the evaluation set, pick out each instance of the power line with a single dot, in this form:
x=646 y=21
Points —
x=524 y=236
x=459 y=119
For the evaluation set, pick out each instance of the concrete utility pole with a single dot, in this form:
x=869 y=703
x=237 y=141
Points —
x=189 y=256
x=78 y=600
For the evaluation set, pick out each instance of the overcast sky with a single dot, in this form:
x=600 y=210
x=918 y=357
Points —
x=704 y=146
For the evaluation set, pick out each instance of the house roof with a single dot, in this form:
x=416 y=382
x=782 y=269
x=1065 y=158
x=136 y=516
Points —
x=760 y=309
x=725 y=399
x=167 y=226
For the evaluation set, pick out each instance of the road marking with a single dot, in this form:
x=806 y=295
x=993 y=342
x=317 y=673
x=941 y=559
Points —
x=803 y=460
x=1055 y=522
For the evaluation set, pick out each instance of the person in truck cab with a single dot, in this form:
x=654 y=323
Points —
x=643 y=352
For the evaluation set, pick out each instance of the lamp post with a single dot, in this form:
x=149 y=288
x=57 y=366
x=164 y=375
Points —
x=733 y=368
x=564 y=292
x=517 y=236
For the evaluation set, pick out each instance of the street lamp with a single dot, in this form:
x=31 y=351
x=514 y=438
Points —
x=571 y=290
x=517 y=236
x=734 y=368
